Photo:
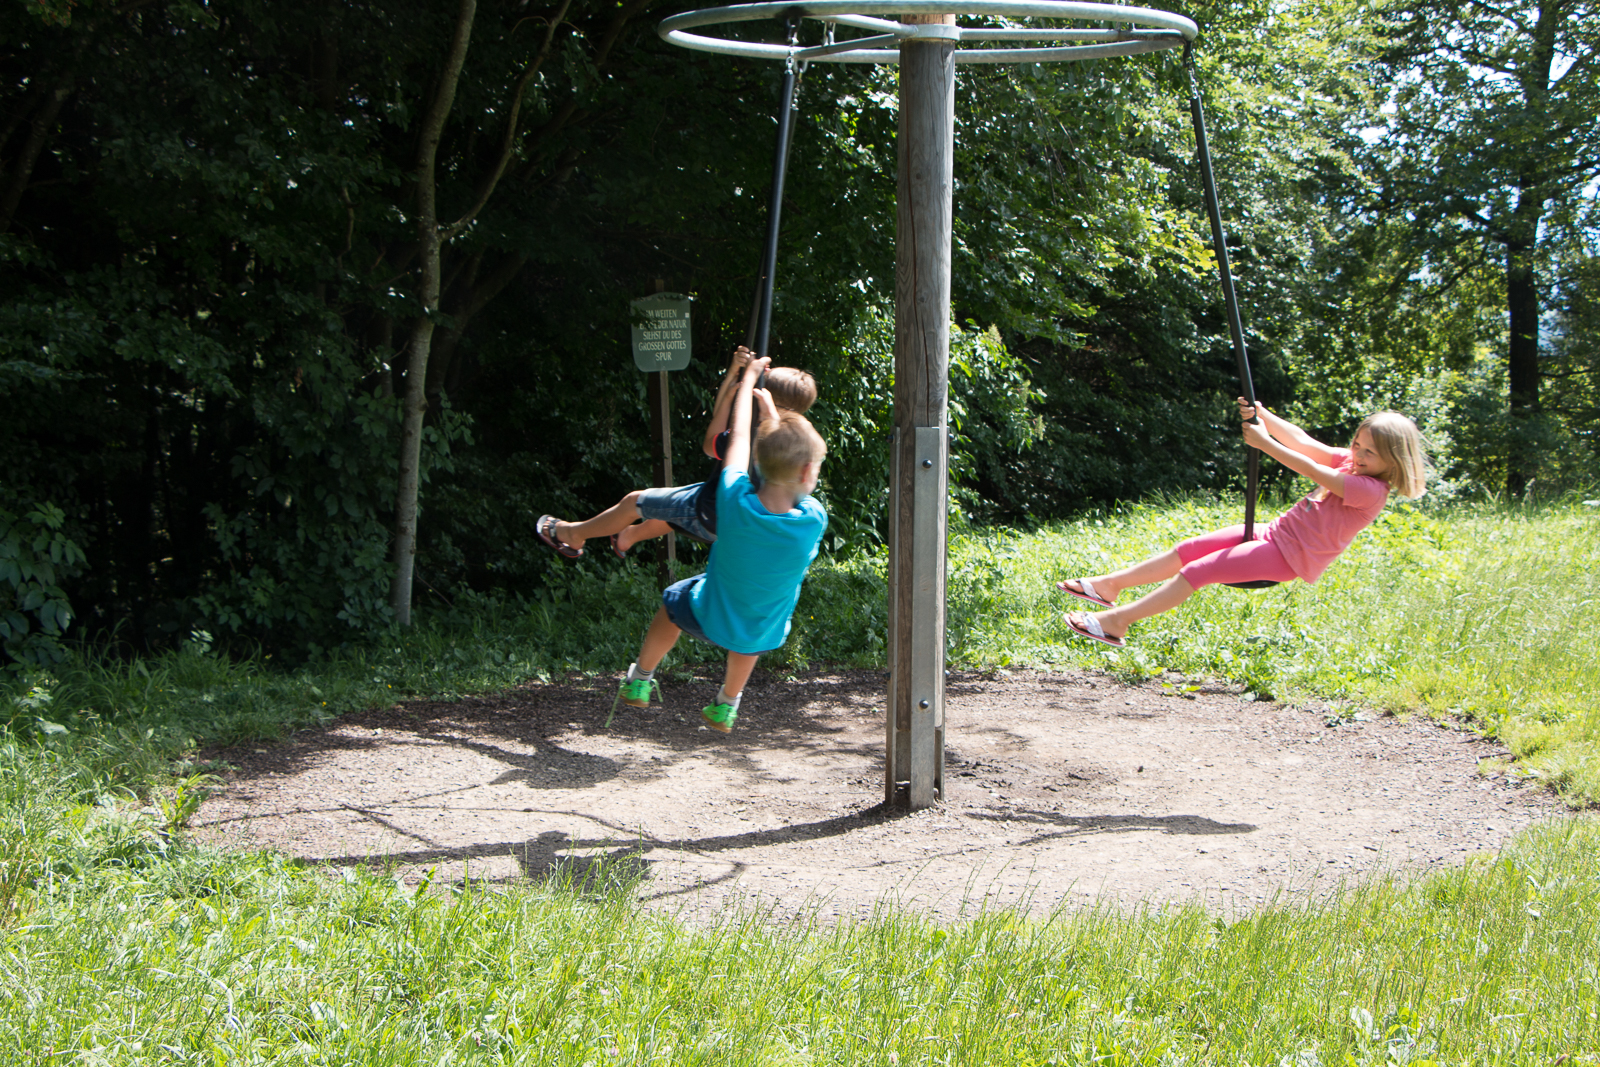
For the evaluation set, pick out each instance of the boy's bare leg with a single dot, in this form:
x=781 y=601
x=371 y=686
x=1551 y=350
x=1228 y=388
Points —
x=1157 y=568
x=737 y=673
x=1115 y=621
x=658 y=640
x=629 y=536
x=617 y=517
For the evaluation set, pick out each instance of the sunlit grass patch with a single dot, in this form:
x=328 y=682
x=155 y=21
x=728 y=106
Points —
x=120 y=950
x=1490 y=615
x=1485 y=614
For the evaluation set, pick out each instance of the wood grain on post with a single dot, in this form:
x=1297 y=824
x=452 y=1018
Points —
x=914 y=764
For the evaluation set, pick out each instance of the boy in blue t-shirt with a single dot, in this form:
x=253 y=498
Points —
x=690 y=509
x=766 y=540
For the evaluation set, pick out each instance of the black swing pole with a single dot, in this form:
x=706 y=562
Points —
x=761 y=315
x=1219 y=245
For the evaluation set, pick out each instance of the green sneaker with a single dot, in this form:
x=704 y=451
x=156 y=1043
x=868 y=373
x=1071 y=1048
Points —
x=720 y=717
x=634 y=692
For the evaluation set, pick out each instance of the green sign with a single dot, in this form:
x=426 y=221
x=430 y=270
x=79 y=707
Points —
x=661 y=332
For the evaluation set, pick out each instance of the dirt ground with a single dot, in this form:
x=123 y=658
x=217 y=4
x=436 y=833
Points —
x=1062 y=789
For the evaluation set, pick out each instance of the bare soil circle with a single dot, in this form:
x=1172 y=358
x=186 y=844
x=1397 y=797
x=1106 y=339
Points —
x=1062 y=789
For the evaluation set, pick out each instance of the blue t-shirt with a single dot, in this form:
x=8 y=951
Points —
x=757 y=564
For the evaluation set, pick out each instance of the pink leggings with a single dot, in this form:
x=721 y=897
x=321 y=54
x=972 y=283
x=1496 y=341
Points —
x=1219 y=557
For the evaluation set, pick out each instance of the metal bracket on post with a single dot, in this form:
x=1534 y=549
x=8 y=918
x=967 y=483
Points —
x=897 y=727
x=929 y=505
x=915 y=722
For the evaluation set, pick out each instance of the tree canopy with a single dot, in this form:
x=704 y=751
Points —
x=1489 y=153
x=225 y=231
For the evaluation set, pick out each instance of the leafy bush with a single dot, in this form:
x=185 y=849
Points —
x=36 y=556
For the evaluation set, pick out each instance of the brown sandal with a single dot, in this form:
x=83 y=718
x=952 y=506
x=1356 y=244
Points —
x=547 y=533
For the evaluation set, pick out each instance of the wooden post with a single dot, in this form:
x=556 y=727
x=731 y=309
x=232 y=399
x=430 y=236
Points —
x=914 y=748
x=659 y=396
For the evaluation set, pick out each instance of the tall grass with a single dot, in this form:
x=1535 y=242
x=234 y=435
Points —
x=129 y=948
x=122 y=944
x=1486 y=614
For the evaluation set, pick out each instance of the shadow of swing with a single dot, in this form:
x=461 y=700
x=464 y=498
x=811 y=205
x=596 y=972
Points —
x=557 y=856
x=1197 y=825
x=621 y=860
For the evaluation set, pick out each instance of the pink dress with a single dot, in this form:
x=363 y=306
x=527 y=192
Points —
x=1313 y=532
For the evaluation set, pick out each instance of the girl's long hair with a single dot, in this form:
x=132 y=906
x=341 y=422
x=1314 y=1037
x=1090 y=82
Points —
x=1398 y=443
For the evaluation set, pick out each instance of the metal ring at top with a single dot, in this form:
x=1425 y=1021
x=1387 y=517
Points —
x=1135 y=30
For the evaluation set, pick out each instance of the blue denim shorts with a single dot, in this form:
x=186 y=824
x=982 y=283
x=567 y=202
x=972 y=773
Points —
x=677 y=506
x=679 y=609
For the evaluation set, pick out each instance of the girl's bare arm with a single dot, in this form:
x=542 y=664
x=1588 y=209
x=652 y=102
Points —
x=1289 y=435
x=1324 y=475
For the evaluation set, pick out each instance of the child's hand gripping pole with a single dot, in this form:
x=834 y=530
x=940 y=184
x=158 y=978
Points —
x=738 y=458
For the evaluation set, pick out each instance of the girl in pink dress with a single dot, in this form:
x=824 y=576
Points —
x=1385 y=456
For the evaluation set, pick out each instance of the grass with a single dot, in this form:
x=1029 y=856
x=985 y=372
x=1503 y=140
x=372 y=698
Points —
x=121 y=943
x=131 y=947
x=1485 y=614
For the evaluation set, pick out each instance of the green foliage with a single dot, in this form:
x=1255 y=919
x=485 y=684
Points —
x=181 y=803
x=1485 y=165
x=208 y=275
x=36 y=557
x=219 y=442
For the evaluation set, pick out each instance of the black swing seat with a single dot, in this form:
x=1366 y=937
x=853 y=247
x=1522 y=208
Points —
x=1259 y=583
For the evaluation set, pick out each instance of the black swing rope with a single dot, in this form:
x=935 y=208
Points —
x=761 y=315
x=1219 y=245
x=759 y=334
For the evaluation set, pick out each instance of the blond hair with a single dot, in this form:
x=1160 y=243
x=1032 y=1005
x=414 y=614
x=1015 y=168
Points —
x=1398 y=442
x=791 y=389
x=784 y=446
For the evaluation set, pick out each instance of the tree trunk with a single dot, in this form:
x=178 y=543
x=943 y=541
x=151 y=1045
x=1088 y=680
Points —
x=421 y=341
x=1522 y=288
x=1522 y=364
x=43 y=122
x=474 y=293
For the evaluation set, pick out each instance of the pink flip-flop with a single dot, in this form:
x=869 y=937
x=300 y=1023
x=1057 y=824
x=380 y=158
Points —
x=1085 y=591
x=1090 y=627
x=616 y=549
x=547 y=533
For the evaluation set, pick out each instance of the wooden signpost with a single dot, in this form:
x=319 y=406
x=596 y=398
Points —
x=660 y=346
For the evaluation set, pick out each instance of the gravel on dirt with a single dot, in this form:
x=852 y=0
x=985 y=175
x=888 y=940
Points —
x=1062 y=789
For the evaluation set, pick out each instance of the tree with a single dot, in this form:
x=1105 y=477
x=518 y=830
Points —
x=213 y=230
x=431 y=239
x=1493 y=125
